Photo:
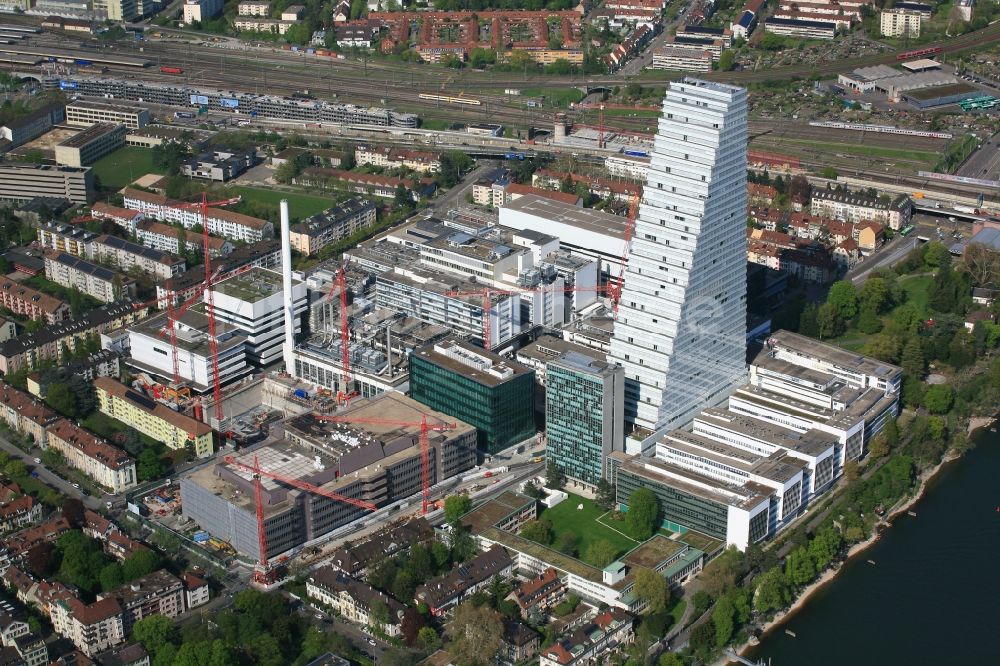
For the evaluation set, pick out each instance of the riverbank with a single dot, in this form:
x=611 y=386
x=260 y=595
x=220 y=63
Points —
x=831 y=573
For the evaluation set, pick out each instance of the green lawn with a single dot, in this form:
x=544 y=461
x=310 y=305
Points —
x=584 y=524
x=435 y=124
x=123 y=166
x=917 y=290
x=677 y=612
x=300 y=205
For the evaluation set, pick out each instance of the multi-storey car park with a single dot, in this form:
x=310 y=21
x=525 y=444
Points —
x=269 y=106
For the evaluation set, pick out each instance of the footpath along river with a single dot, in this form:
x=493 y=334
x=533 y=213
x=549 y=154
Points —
x=932 y=595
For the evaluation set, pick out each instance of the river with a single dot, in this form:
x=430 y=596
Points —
x=931 y=597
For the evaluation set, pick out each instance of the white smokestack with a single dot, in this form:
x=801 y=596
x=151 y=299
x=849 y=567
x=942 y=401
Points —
x=286 y=279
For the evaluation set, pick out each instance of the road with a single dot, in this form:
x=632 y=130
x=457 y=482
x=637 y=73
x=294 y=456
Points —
x=456 y=195
x=985 y=162
x=51 y=478
x=892 y=253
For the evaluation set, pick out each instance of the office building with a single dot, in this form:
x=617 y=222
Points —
x=21 y=130
x=153 y=418
x=106 y=464
x=67 y=238
x=332 y=225
x=265 y=253
x=32 y=303
x=477 y=386
x=368 y=461
x=87 y=113
x=220 y=164
x=90 y=145
x=681 y=328
x=22 y=182
x=31 y=349
x=584 y=415
x=89 y=278
x=252 y=302
x=127 y=255
x=166 y=238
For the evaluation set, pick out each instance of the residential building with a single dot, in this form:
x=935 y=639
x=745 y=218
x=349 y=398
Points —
x=158 y=593
x=622 y=166
x=357 y=559
x=584 y=415
x=857 y=208
x=612 y=628
x=221 y=222
x=442 y=594
x=67 y=238
x=11 y=628
x=106 y=464
x=354 y=600
x=87 y=113
x=477 y=386
x=116 y=10
x=125 y=655
x=123 y=217
x=901 y=22
x=153 y=418
x=682 y=59
x=8 y=329
x=264 y=253
x=91 y=279
x=680 y=334
x=32 y=650
x=220 y=164
x=810 y=29
x=368 y=184
x=166 y=238
x=201 y=10
x=397 y=158
x=196 y=589
x=127 y=255
x=31 y=303
x=18 y=513
x=30 y=349
x=538 y=595
x=23 y=182
x=90 y=145
x=256 y=24
x=18 y=131
x=372 y=459
x=92 y=628
x=518 y=643
x=253 y=304
x=254 y=8
x=332 y=225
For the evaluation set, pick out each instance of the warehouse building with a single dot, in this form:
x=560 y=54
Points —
x=369 y=462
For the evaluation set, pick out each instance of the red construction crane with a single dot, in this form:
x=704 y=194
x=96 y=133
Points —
x=425 y=445
x=488 y=292
x=616 y=289
x=345 y=331
x=213 y=343
x=263 y=569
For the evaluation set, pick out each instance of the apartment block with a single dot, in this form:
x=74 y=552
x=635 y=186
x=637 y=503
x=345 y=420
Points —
x=158 y=593
x=127 y=255
x=153 y=418
x=857 y=208
x=354 y=600
x=167 y=238
x=682 y=59
x=123 y=217
x=333 y=224
x=67 y=238
x=254 y=8
x=26 y=415
x=221 y=222
x=87 y=113
x=22 y=182
x=808 y=28
x=445 y=592
x=32 y=303
x=900 y=22
x=398 y=158
x=104 y=463
x=90 y=145
x=91 y=279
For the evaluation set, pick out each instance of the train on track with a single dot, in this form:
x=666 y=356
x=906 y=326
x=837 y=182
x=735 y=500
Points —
x=449 y=99
x=880 y=129
x=171 y=70
x=920 y=53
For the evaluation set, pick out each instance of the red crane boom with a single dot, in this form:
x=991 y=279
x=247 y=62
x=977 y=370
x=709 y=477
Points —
x=425 y=445
x=616 y=290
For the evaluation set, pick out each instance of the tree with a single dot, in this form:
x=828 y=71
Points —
x=773 y=591
x=605 y=495
x=476 y=634
x=600 y=553
x=539 y=531
x=879 y=447
x=874 y=294
x=428 y=639
x=642 y=517
x=72 y=511
x=652 y=588
x=154 y=632
x=828 y=321
x=15 y=469
x=60 y=398
x=568 y=543
x=411 y=624
x=937 y=255
x=808 y=324
x=829 y=173
x=148 y=465
x=721 y=574
x=456 y=506
x=891 y=432
x=402 y=198
x=869 y=322
x=670 y=659
x=844 y=297
x=139 y=564
x=912 y=359
x=703 y=638
x=799 y=567
x=939 y=398
x=110 y=577
x=983 y=264
x=726 y=60
x=554 y=478
x=722 y=618
x=884 y=346
x=851 y=471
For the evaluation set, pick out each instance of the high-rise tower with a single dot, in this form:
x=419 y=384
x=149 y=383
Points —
x=681 y=328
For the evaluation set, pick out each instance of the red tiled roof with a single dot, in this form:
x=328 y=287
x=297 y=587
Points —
x=91 y=445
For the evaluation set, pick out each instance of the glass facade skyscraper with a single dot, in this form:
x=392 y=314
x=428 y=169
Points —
x=584 y=406
x=681 y=328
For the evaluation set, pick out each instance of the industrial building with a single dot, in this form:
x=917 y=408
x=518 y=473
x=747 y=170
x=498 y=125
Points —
x=252 y=302
x=90 y=145
x=477 y=386
x=374 y=462
x=87 y=113
x=680 y=333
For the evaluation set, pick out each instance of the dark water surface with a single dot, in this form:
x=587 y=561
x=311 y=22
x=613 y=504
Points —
x=933 y=595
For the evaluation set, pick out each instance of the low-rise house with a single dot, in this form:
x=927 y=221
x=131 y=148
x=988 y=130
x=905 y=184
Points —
x=11 y=628
x=19 y=513
x=32 y=650
x=584 y=645
x=196 y=590
x=518 y=644
x=356 y=601
x=539 y=594
x=445 y=592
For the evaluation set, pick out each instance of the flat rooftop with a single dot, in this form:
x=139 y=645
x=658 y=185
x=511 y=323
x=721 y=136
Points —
x=811 y=443
x=659 y=472
x=104 y=106
x=192 y=334
x=831 y=354
x=652 y=553
x=471 y=362
x=548 y=347
x=254 y=285
x=924 y=94
x=495 y=510
x=776 y=467
x=89 y=135
x=586 y=219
